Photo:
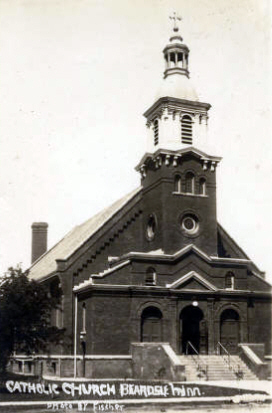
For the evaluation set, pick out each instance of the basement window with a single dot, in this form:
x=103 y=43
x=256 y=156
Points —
x=29 y=367
x=20 y=366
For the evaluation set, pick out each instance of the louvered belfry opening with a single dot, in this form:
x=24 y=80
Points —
x=187 y=130
x=156 y=132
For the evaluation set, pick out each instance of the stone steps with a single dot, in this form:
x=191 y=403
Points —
x=218 y=368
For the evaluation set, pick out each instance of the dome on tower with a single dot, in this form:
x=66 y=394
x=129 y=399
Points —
x=176 y=82
x=177 y=86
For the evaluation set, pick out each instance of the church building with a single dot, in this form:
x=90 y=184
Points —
x=157 y=266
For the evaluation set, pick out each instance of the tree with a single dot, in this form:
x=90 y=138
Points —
x=25 y=310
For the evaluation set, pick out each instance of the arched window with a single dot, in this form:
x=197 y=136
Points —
x=177 y=183
x=187 y=130
x=229 y=280
x=151 y=227
x=150 y=277
x=202 y=186
x=156 y=132
x=57 y=299
x=151 y=325
x=189 y=183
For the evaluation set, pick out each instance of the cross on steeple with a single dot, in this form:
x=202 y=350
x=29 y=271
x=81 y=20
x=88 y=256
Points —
x=175 y=18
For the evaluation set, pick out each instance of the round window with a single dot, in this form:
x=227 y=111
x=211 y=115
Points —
x=151 y=227
x=190 y=224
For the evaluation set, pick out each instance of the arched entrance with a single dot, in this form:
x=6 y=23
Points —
x=151 y=325
x=230 y=330
x=193 y=330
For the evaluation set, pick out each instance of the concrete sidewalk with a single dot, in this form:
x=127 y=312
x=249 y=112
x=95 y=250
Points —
x=262 y=385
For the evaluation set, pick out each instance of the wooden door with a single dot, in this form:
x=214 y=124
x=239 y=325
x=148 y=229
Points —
x=203 y=337
x=229 y=334
x=151 y=330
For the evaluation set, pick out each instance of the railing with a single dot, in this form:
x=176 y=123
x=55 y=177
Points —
x=202 y=367
x=232 y=366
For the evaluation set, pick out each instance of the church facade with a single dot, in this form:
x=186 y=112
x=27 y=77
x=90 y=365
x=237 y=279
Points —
x=156 y=266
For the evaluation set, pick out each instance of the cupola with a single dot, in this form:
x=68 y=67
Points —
x=177 y=119
x=176 y=56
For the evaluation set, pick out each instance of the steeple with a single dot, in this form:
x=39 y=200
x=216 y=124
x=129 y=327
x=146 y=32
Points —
x=177 y=119
x=178 y=176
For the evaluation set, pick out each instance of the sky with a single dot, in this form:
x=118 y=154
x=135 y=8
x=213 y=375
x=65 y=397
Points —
x=76 y=77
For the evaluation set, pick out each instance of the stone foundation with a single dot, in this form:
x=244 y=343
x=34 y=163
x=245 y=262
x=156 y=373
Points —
x=147 y=361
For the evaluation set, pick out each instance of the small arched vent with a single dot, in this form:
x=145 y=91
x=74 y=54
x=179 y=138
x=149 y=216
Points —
x=150 y=277
x=229 y=280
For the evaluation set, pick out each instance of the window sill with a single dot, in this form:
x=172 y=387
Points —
x=187 y=194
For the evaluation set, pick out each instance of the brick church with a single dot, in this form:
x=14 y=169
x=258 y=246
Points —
x=156 y=266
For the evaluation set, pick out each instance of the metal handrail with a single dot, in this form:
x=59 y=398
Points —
x=231 y=365
x=198 y=361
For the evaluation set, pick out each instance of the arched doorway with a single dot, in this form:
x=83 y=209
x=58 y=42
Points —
x=230 y=330
x=151 y=325
x=193 y=330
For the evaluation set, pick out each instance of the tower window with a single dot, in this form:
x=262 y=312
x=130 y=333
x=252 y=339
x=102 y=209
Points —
x=177 y=186
x=190 y=224
x=156 y=132
x=229 y=281
x=150 y=278
x=202 y=186
x=189 y=183
x=151 y=227
x=187 y=130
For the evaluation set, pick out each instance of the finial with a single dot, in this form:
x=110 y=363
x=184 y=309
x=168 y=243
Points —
x=175 y=18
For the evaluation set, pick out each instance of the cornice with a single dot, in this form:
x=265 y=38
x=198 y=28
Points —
x=171 y=157
x=176 y=46
x=89 y=282
x=162 y=290
x=167 y=100
x=154 y=256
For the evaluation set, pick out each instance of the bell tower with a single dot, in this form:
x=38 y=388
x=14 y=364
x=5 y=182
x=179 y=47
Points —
x=177 y=119
x=178 y=176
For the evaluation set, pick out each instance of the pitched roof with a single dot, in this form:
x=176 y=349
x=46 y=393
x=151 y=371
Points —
x=47 y=265
x=235 y=249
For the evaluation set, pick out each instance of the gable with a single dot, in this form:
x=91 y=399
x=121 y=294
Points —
x=192 y=281
x=192 y=284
